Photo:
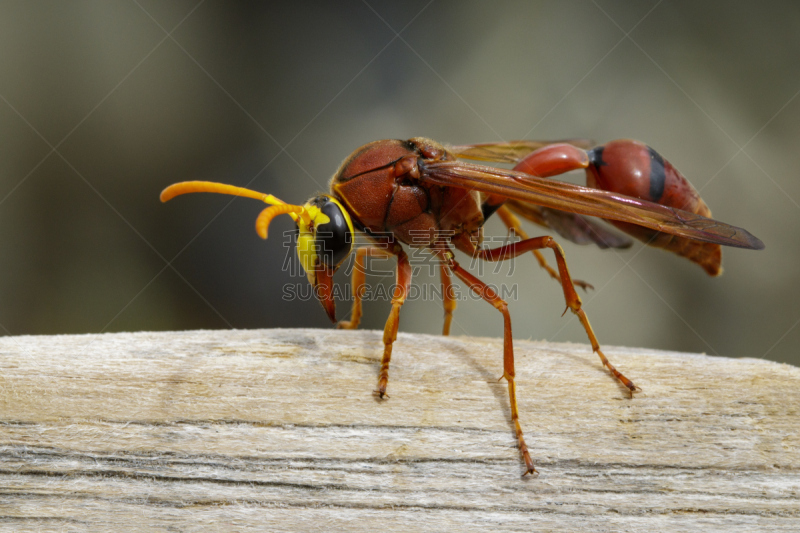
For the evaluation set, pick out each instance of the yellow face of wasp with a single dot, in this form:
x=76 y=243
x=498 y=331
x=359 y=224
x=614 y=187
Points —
x=327 y=240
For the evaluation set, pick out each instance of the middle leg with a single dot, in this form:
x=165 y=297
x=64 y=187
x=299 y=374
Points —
x=390 y=330
x=486 y=292
x=448 y=298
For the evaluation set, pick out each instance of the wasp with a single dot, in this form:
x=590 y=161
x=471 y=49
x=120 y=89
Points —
x=419 y=193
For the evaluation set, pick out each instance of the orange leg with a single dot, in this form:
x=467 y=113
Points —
x=512 y=223
x=390 y=330
x=485 y=292
x=573 y=300
x=448 y=299
x=359 y=276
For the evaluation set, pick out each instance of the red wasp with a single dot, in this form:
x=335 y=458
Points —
x=417 y=193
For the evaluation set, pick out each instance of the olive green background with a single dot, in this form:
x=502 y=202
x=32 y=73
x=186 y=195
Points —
x=104 y=103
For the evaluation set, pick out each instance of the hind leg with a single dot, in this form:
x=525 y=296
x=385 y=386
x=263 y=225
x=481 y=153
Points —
x=573 y=300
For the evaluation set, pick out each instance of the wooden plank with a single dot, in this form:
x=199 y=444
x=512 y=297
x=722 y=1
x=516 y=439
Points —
x=279 y=430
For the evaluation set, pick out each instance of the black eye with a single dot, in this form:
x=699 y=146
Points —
x=333 y=239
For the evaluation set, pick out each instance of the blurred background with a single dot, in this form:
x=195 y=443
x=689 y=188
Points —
x=104 y=103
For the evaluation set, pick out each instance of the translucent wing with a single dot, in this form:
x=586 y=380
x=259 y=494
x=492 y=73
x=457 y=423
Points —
x=508 y=152
x=586 y=201
x=576 y=228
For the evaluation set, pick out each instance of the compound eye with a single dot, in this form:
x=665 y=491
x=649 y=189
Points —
x=334 y=239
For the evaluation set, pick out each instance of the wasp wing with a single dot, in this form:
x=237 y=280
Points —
x=576 y=228
x=508 y=152
x=586 y=201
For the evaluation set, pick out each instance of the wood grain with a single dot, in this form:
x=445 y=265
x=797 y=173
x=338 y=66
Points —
x=278 y=430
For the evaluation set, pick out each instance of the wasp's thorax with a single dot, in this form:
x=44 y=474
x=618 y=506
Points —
x=381 y=187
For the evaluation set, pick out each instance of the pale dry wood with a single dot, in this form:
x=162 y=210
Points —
x=274 y=430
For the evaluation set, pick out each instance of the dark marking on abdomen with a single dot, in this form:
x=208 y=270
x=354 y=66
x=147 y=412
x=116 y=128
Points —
x=596 y=156
x=657 y=175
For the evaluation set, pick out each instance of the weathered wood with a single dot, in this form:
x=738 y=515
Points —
x=279 y=430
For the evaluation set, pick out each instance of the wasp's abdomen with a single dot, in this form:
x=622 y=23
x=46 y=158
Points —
x=634 y=169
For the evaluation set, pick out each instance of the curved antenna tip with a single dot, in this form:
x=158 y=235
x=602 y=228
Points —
x=266 y=216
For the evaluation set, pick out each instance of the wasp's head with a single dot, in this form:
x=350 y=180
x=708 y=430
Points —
x=325 y=231
x=324 y=241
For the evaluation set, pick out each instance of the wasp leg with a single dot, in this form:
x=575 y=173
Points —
x=485 y=292
x=512 y=223
x=359 y=276
x=390 y=330
x=573 y=300
x=448 y=298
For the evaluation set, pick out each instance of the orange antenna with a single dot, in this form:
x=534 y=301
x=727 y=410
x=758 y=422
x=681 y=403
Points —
x=176 y=189
x=184 y=187
x=266 y=216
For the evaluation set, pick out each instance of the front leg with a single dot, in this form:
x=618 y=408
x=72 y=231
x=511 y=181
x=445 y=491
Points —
x=359 y=277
